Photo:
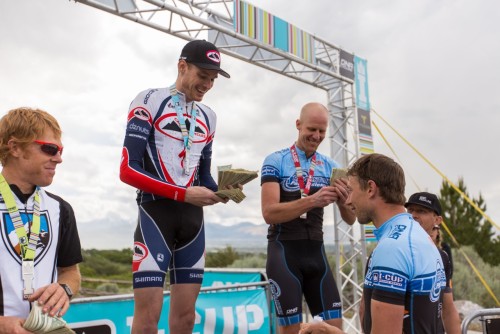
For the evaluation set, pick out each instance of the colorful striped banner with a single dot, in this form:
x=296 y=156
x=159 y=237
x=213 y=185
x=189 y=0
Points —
x=258 y=24
x=369 y=235
x=366 y=147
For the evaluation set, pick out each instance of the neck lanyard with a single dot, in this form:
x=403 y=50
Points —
x=304 y=189
x=187 y=138
x=27 y=246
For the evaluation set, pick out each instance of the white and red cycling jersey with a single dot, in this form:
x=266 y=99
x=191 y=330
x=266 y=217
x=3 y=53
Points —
x=153 y=151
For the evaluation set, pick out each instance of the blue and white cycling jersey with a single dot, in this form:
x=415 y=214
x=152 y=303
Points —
x=279 y=167
x=406 y=269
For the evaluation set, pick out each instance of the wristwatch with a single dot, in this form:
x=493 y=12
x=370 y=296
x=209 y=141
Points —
x=67 y=289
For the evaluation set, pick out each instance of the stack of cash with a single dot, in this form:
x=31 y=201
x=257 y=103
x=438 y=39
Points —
x=235 y=194
x=233 y=177
x=337 y=173
x=39 y=323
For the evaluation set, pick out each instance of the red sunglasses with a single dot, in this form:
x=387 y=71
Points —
x=49 y=148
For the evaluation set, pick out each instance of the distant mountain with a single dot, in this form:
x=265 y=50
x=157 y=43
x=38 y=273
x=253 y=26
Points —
x=245 y=235
x=116 y=233
x=242 y=235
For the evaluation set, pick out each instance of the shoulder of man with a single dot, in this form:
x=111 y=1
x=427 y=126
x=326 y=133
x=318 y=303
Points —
x=328 y=162
x=278 y=155
x=64 y=206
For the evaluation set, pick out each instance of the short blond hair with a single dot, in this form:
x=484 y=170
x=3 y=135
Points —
x=24 y=125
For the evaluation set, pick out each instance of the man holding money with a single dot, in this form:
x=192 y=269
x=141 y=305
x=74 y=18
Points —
x=167 y=156
x=296 y=186
x=39 y=247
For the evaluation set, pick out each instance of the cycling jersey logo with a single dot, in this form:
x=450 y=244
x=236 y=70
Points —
x=276 y=292
x=213 y=56
x=368 y=277
x=268 y=170
x=397 y=231
x=275 y=288
x=290 y=183
x=140 y=253
x=169 y=125
x=148 y=95
x=45 y=234
x=436 y=285
x=140 y=113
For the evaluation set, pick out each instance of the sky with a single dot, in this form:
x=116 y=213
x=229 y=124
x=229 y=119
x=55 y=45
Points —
x=432 y=75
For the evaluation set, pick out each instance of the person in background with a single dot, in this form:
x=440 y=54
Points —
x=426 y=209
x=167 y=155
x=295 y=189
x=404 y=275
x=40 y=247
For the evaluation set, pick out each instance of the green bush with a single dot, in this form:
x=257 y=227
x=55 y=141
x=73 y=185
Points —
x=250 y=261
x=467 y=285
x=221 y=258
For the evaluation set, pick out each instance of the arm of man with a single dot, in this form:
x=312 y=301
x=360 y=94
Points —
x=12 y=325
x=386 y=318
x=319 y=328
x=204 y=169
x=361 y=311
x=53 y=297
x=70 y=276
x=275 y=212
x=451 y=319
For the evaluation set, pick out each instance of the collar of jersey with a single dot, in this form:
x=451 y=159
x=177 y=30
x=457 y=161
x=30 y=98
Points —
x=302 y=154
x=386 y=227
x=182 y=96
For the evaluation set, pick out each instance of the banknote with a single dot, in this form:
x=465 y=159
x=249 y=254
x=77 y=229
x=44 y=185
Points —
x=235 y=194
x=337 y=173
x=228 y=176
x=40 y=323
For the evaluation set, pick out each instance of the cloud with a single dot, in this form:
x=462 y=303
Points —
x=432 y=74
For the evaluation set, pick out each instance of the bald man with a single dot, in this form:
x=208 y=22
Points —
x=295 y=189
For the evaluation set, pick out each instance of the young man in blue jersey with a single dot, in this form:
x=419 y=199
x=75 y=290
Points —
x=39 y=243
x=167 y=156
x=405 y=274
x=295 y=189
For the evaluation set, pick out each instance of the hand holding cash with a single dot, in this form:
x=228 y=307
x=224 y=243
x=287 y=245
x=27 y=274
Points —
x=39 y=323
x=229 y=181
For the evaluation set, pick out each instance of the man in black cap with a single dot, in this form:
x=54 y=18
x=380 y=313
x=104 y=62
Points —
x=167 y=156
x=426 y=209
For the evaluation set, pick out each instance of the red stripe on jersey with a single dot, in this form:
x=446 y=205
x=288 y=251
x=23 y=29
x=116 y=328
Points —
x=147 y=183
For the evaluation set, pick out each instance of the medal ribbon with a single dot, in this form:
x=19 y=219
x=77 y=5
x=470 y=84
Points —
x=304 y=190
x=187 y=138
x=28 y=247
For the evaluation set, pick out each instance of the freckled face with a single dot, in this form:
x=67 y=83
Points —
x=35 y=167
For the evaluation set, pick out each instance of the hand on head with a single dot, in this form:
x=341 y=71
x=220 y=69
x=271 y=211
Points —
x=342 y=190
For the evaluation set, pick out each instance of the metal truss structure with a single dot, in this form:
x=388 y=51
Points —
x=213 y=20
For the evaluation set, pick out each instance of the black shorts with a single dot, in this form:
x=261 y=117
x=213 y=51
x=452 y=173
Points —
x=300 y=267
x=170 y=235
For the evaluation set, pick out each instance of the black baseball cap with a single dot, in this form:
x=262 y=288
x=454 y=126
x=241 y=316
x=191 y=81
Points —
x=204 y=55
x=427 y=200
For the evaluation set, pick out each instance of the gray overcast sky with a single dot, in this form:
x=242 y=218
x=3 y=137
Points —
x=432 y=68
